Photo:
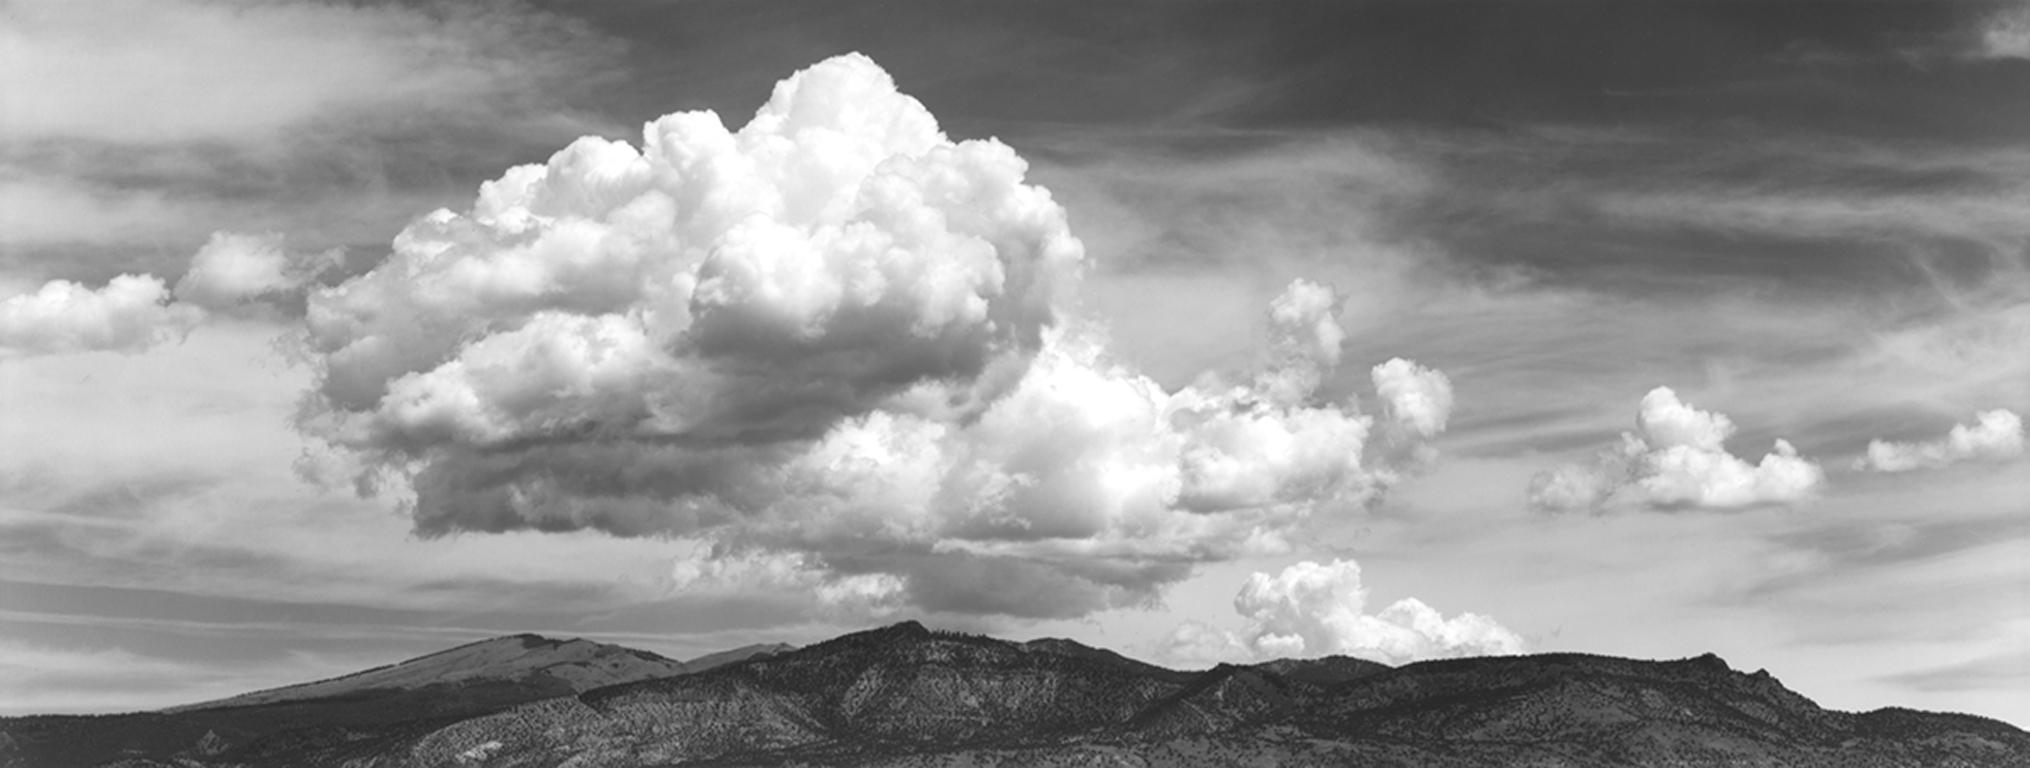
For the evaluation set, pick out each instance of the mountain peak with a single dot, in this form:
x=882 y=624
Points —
x=910 y=627
x=1709 y=661
x=906 y=630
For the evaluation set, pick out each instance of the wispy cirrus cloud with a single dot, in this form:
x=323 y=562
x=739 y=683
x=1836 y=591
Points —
x=2000 y=672
x=225 y=70
x=43 y=679
x=130 y=130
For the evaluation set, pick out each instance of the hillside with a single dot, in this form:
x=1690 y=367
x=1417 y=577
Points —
x=434 y=689
x=542 y=665
x=907 y=695
x=742 y=653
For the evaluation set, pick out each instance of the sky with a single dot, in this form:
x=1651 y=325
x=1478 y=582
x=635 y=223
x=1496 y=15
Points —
x=337 y=333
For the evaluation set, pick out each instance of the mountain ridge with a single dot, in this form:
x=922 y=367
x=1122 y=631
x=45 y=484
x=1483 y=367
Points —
x=576 y=663
x=905 y=694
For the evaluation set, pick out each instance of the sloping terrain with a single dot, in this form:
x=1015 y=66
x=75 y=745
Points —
x=413 y=695
x=906 y=695
x=540 y=663
x=742 y=653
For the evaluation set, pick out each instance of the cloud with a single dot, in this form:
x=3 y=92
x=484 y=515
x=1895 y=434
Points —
x=1200 y=644
x=73 y=677
x=129 y=314
x=1311 y=609
x=705 y=569
x=233 y=271
x=1416 y=398
x=1304 y=321
x=232 y=274
x=2005 y=33
x=1676 y=458
x=834 y=340
x=38 y=211
x=131 y=129
x=2006 y=672
x=1995 y=435
x=223 y=70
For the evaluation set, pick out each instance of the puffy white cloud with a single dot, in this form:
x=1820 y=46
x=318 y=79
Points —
x=1303 y=316
x=1416 y=398
x=1995 y=435
x=1314 y=609
x=1677 y=458
x=1666 y=422
x=129 y=314
x=1200 y=644
x=835 y=338
x=231 y=273
x=235 y=270
x=835 y=252
x=1306 y=339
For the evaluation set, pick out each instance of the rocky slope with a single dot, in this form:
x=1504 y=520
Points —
x=905 y=695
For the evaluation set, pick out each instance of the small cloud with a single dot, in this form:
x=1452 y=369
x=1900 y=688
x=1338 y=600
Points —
x=1677 y=458
x=129 y=314
x=1199 y=644
x=2005 y=34
x=1304 y=324
x=235 y=271
x=1312 y=609
x=1995 y=435
x=1416 y=398
x=232 y=273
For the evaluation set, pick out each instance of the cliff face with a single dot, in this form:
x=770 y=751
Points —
x=904 y=695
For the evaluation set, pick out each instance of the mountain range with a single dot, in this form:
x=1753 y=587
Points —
x=905 y=695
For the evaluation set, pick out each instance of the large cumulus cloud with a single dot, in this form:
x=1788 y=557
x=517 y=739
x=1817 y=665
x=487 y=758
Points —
x=831 y=342
x=1995 y=435
x=1676 y=458
x=1318 y=609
